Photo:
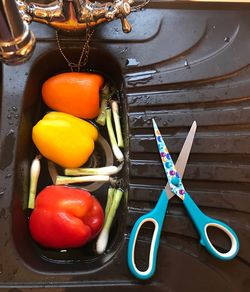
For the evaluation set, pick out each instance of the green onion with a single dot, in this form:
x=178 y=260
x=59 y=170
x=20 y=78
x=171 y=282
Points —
x=107 y=170
x=101 y=119
x=116 y=116
x=103 y=237
x=105 y=95
x=62 y=180
x=116 y=150
x=34 y=175
x=111 y=191
x=52 y=171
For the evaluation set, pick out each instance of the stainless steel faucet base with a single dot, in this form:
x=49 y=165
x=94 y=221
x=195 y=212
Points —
x=19 y=49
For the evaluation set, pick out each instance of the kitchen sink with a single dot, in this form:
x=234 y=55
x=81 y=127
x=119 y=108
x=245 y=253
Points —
x=181 y=62
x=46 y=260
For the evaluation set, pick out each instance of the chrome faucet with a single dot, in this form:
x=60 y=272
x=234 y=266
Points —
x=17 y=42
x=73 y=15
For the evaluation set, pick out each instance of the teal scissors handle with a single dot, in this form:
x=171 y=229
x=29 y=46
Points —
x=156 y=216
x=202 y=222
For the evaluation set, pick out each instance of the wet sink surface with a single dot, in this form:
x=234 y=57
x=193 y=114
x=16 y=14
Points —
x=191 y=64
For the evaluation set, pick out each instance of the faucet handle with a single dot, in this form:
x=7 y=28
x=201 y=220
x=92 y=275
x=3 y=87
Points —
x=126 y=26
x=124 y=9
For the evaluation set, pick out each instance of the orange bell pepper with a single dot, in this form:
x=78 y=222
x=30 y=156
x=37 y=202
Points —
x=75 y=93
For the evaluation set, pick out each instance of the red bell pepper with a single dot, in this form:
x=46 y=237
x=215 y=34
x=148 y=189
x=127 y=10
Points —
x=65 y=217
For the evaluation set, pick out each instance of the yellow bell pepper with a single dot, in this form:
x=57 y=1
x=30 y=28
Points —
x=65 y=139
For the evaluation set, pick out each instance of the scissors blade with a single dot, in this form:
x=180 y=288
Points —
x=183 y=156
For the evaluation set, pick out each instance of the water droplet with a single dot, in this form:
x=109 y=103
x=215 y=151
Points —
x=186 y=64
x=131 y=62
x=1 y=194
x=8 y=175
x=148 y=122
x=14 y=108
x=16 y=116
x=8 y=117
x=226 y=39
x=139 y=80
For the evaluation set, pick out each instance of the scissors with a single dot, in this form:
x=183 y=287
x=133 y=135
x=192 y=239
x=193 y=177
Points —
x=157 y=215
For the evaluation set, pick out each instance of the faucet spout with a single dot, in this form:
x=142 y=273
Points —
x=16 y=40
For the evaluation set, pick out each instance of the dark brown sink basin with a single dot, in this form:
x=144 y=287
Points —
x=45 y=260
x=181 y=62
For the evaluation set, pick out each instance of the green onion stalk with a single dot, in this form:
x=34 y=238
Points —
x=101 y=119
x=62 y=180
x=106 y=170
x=111 y=191
x=116 y=150
x=34 y=175
x=113 y=201
x=105 y=96
x=116 y=116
